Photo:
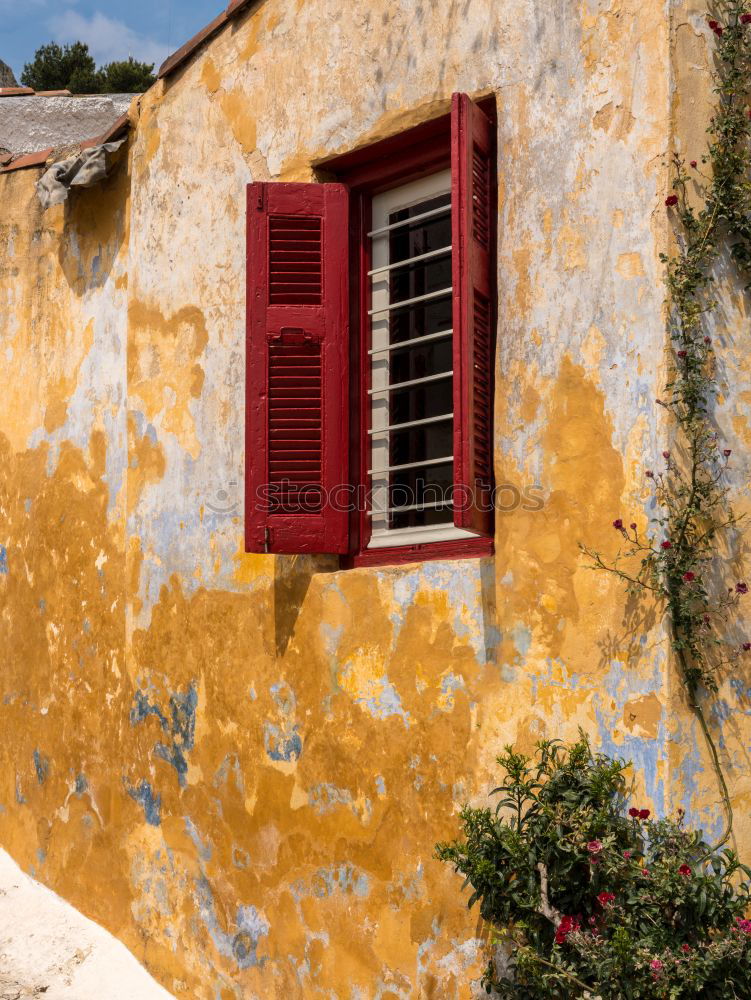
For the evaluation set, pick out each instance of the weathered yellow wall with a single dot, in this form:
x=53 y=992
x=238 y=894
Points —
x=240 y=764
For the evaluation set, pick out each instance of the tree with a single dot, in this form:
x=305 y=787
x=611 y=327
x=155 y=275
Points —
x=66 y=67
x=71 y=67
x=127 y=77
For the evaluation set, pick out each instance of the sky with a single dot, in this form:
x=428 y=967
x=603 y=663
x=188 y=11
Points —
x=149 y=30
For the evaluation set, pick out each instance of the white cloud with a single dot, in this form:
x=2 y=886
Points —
x=108 y=40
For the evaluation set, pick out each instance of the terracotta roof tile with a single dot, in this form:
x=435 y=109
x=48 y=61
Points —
x=32 y=160
x=235 y=6
x=15 y=91
x=5 y=158
x=53 y=93
x=177 y=58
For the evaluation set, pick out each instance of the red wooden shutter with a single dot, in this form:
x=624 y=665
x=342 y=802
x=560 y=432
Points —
x=297 y=345
x=473 y=238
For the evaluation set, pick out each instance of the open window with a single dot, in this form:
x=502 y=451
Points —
x=371 y=313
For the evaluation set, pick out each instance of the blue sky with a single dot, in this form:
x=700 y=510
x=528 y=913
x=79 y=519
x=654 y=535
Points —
x=146 y=29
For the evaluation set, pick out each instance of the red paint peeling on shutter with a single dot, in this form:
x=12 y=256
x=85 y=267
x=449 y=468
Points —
x=473 y=239
x=297 y=345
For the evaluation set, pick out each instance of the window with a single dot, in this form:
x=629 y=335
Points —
x=369 y=350
x=411 y=441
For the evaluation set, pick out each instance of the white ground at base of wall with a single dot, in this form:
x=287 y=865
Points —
x=48 y=949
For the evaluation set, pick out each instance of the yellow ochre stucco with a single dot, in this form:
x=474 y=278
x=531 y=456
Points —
x=240 y=764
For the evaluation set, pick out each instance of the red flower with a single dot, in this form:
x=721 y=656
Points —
x=633 y=813
x=666 y=545
x=718 y=31
x=606 y=898
x=685 y=948
x=618 y=524
x=666 y=455
x=743 y=925
x=627 y=855
x=644 y=814
x=707 y=340
x=741 y=588
x=746 y=647
x=566 y=927
x=684 y=870
x=693 y=164
x=672 y=199
x=745 y=18
x=594 y=847
x=633 y=525
x=727 y=452
x=649 y=474
x=682 y=354
x=655 y=965
x=713 y=25
x=689 y=577
x=645 y=872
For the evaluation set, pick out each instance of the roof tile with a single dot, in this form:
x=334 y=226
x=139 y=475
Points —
x=31 y=160
x=15 y=91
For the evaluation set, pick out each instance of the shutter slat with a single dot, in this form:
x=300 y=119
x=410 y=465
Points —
x=473 y=239
x=297 y=367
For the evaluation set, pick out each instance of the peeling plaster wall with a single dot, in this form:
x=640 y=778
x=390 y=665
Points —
x=239 y=763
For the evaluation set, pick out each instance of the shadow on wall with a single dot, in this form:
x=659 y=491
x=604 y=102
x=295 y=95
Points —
x=94 y=228
x=292 y=576
x=490 y=630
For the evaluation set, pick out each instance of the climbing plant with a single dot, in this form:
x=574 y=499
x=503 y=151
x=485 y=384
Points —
x=676 y=559
x=590 y=902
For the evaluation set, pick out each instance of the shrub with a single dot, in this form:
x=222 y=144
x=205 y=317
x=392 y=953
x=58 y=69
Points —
x=593 y=899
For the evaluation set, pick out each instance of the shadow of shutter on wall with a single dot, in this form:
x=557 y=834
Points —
x=473 y=238
x=297 y=368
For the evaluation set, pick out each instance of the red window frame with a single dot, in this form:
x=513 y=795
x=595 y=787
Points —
x=415 y=153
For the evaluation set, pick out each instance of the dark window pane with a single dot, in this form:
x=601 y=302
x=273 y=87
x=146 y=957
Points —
x=421 y=360
x=428 y=485
x=420 y=444
x=420 y=319
x=420 y=279
x=420 y=401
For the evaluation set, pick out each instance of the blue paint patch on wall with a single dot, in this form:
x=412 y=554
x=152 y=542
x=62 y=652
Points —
x=384 y=701
x=179 y=724
x=42 y=767
x=3 y=560
x=82 y=785
x=281 y=745
x=329 y=881
x=143 y=793
x=250 y=923
x=204 y=850
x=326 y=798
x=143 y=708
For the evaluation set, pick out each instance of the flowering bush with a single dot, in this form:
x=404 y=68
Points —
x=593 y=899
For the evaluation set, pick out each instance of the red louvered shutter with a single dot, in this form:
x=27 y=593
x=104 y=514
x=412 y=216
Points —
x=297 y=348
x=473 y=239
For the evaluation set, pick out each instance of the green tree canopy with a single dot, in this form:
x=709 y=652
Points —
x=72 y=67
x=127 y=77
